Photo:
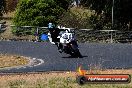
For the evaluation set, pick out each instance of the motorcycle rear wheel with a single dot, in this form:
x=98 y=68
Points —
x=75 y=51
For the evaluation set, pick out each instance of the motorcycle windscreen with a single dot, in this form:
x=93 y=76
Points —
x=67 y=37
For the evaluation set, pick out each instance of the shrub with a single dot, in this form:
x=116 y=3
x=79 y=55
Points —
x=76 y=18
x=37 y=13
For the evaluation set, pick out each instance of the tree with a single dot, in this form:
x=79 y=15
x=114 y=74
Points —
x=122 y=10
x=11 y=5
x=102 y=9
x=97 y=5
x=64 y=3
x=2 y=5
x=123 y=13
x=38 y=12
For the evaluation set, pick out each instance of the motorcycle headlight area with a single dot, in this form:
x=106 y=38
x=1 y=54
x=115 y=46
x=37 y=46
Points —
x=66 y=37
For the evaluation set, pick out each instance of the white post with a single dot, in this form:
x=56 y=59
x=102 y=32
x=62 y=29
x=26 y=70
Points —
x=37 y=34
x=113 y=14
x=112 y=20
x=0 y=26
x=111 y=38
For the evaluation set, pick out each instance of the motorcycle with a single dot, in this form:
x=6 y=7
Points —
x=67 y=42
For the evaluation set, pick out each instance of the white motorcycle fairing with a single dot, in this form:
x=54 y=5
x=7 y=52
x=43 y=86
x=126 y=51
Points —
x=50 y=39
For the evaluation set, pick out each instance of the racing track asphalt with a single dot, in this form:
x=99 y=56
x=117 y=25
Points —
x=94 y=54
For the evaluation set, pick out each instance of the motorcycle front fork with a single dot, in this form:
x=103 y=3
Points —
x=59 y=45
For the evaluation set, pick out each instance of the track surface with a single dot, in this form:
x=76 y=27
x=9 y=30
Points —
x=95 y=55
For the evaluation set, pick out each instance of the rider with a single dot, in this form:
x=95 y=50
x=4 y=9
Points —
x=54 y=34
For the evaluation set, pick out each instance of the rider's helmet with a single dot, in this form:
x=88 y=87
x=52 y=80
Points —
x=51 y=25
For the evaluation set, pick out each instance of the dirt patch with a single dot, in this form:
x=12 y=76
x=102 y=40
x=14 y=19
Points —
x=12 y=61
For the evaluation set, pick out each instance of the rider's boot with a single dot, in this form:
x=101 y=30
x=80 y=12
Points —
x=60 y=47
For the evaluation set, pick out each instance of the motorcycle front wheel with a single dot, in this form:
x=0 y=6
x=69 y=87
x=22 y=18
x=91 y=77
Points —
x=75 y=51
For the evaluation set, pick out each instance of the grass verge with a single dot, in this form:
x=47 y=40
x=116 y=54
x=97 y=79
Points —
x=56 y=80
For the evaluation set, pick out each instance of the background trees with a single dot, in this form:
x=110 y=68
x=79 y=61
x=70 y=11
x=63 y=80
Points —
x=2 y=5
x=122 y=11
x=94 y=14
x=11 y=5
x=39 y=12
